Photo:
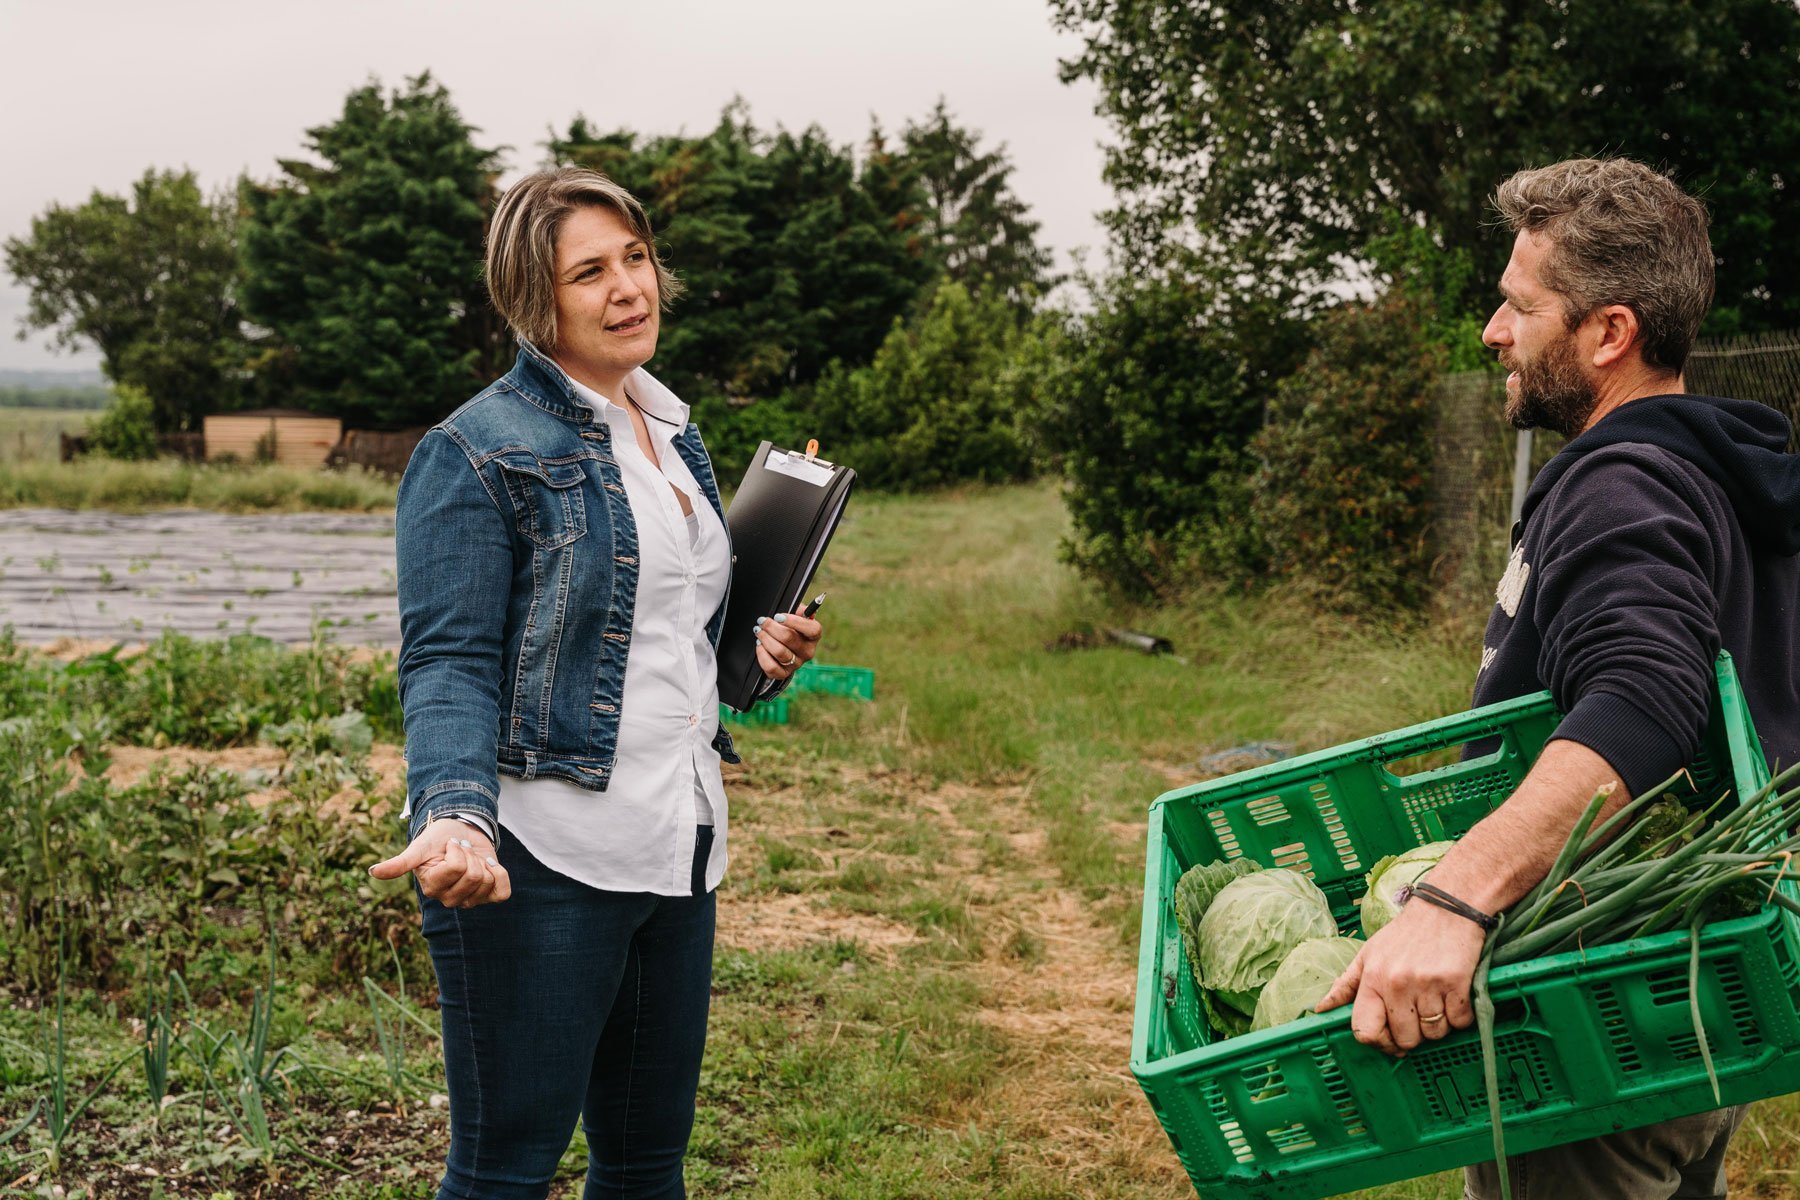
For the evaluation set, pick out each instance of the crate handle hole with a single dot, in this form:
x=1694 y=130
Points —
x=1433 y=759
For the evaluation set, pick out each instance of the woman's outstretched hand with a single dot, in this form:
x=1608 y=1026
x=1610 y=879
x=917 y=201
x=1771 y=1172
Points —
x=786 y=642
x=454 y=863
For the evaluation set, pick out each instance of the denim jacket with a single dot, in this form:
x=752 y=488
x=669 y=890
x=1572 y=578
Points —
x=517 y=572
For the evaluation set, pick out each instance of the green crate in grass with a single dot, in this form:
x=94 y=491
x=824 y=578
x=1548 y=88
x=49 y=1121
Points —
x=1586 y=1043
x=763 y=712
x=826 y=679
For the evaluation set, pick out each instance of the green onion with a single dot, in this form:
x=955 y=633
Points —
x=1605 y=889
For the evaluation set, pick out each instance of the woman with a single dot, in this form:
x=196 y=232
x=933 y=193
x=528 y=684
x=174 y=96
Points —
x=563 y=564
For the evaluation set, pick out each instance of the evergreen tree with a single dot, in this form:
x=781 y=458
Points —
x=980 y=229
x=793 y=256
x=365 y=265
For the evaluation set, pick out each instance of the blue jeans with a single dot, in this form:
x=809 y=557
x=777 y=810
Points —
x=562 y=1001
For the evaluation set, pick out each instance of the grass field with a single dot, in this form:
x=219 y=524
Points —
x=924 y=979
x=30 y=434
x=98 y=483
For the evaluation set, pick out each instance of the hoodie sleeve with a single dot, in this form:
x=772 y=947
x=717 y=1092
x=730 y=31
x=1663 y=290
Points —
x=1627 y=603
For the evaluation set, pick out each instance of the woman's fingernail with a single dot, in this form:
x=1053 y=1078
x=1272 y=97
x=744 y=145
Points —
x=759 y=621
x=781 y=618
x=371 y=870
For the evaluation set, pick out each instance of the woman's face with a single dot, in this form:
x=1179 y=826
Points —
x=606 y=298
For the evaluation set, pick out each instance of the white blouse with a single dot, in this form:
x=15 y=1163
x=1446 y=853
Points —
x=638 y=835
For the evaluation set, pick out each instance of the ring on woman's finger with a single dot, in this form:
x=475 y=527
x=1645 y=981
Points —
x=792 y=658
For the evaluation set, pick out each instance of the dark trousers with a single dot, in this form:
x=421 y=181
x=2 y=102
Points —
x=568 y=1001
x=1682 y=1159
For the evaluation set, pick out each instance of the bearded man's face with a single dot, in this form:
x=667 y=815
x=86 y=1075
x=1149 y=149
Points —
x=1549 y=389
x=1549 y=386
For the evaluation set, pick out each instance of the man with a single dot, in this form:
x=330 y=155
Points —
x=1669 y=526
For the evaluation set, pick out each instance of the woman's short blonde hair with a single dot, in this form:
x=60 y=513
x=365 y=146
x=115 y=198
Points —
x=521 y=245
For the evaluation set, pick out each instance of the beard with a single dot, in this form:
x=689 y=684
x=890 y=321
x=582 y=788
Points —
x=1554 y=393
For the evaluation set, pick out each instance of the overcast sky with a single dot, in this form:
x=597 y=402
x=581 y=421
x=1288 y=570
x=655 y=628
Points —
x=95 y=91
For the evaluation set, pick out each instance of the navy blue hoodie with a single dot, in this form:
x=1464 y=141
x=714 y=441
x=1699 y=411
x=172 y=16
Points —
x=1669 y=529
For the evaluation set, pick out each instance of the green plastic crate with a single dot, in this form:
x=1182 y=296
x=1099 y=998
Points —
x=826 y=679
x=763 y=712
x=1586 y=1044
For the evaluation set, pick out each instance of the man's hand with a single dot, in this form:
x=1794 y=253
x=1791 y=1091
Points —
x=454 y=863
x=1422 y=964
x=1412 y=981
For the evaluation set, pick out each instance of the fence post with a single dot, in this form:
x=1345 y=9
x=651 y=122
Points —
x=1521 y=474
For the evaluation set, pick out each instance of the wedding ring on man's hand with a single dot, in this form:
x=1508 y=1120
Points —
x=1431 y=1018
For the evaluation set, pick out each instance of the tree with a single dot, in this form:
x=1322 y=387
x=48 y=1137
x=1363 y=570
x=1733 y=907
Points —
x=1339 y=495
x=1156 y=395
x=792 y=256
x=149 y=280
x=1284 y=135
x=365 y=266
x=979 y=228
x=939 y=403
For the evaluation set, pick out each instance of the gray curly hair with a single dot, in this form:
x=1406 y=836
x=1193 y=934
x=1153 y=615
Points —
x=1619 y=233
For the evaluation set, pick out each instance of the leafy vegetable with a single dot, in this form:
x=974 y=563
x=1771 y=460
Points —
x=1253 y=923
x=1194 y=893
x=1302 y=980
x=1380 y=904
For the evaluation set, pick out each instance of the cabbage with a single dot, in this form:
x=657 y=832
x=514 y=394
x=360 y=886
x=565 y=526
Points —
x=1251 y=926
x=1194 y=893
x=1303 y=978
x=1380 y=904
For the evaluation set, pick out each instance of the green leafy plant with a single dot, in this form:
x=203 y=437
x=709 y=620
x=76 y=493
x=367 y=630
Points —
x=127 y=428
x=159 y=1041
x=243 y=1075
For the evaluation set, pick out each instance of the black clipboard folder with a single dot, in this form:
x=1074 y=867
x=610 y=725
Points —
x=781 y=520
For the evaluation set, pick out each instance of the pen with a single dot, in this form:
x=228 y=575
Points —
x=814 y=606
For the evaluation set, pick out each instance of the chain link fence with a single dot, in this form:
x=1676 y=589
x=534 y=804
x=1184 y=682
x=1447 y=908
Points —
x=1758 y=366
x=1472 y=485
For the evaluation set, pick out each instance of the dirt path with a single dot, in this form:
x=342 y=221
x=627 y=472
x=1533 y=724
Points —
x=1057 y=984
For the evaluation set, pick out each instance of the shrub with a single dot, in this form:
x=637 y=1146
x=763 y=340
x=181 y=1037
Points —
x=127 y=427
x=1340 y=498
x=173 y=862
x=1151 y=402
x=940 y=402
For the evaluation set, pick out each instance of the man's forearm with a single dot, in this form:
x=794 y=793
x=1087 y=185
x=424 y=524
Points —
x=1510 y=851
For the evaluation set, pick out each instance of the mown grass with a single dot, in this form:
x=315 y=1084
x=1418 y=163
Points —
x=928 y=931
x=96 y=483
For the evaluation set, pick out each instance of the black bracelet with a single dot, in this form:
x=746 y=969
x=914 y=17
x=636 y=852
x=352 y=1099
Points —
x=1444 y=900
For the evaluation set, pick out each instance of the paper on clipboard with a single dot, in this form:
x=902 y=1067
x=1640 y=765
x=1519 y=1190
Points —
x=814 y=471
